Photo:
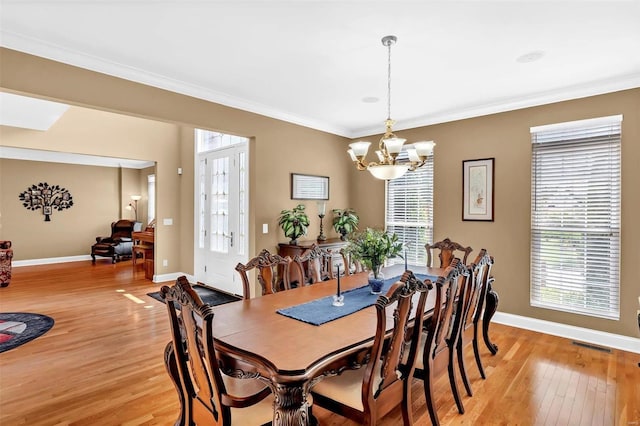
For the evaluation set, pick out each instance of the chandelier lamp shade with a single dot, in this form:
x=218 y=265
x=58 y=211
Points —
x=388 y=166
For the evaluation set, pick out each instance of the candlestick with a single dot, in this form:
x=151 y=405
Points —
x=338 y=299
x=321 y=211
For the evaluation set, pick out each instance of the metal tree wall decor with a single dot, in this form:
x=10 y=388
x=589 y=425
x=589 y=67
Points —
x=47 y=198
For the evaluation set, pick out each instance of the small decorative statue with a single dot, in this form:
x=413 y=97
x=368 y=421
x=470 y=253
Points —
x=45 y=197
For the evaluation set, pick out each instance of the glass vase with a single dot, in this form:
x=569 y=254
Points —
x=376 y=280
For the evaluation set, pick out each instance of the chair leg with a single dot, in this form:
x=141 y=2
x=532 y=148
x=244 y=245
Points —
x=407 y=412
x=452 y=380
x=476 y=350
x=462 y=367
x=172 y=368
x=428 y=394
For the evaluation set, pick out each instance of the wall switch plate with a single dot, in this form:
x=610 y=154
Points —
x=167 y=221
x=165 y=262
x=265 y=228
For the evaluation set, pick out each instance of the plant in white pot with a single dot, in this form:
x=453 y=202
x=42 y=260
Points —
x=345 y=221
x=372 y=247
x=294 y=223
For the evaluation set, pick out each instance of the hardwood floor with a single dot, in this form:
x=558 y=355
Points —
x=101 y=364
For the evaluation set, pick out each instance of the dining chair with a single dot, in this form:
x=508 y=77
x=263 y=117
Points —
x=351 y=265
x=315 y=265
x=370 y=392
x=272 y=272
x=208 y=396
x=447 y=252
x=480 y=274
x=442 y=331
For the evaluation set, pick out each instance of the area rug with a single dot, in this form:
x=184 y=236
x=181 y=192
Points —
x=208 y=295
x=18 y=328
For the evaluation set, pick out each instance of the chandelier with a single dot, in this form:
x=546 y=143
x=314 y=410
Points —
x=388 y=166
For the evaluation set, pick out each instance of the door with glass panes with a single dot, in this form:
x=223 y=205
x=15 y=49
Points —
x=221 y=210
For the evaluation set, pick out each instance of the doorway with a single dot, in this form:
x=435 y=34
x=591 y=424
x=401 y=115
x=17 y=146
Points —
x=221 y=210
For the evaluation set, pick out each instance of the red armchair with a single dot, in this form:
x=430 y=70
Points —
x=6 y=254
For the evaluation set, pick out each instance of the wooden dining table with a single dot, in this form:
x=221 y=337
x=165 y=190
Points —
x=253 y=340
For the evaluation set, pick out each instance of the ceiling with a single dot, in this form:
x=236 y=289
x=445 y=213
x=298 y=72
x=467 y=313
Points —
x=321 y=63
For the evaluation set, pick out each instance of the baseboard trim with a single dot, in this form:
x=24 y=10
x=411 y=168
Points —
x=49 y=260
x=600 y=338
x=172 y=277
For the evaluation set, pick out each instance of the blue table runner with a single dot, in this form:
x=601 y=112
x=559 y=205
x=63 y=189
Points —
x=321 y=310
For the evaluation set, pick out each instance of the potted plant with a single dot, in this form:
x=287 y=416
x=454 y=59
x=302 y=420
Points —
x=345 y=221
x=372 y=247
x=294 y=223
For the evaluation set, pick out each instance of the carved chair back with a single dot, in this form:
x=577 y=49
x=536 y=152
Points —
x=191 y=329
x=480 y=271
x=443 y=332
x=202 y=386
x=351 y=266
x=272 y=272
x=386 y=380
x=319 y=264
x=447 y=252
x=389 y=363
x=471 y=301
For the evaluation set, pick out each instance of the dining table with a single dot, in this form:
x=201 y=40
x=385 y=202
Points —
x=254 y=340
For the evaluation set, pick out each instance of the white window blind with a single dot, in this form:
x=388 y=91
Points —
x=409 y=211
x=575 y=217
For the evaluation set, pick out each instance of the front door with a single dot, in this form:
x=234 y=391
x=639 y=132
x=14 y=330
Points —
x=221 y=216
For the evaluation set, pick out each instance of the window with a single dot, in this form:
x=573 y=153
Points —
x=409 y=211
x=575 y=217
x=151 y=204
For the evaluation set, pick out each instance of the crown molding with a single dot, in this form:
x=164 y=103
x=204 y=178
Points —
x=61 y=54
x=58 y=53
x=624 y=82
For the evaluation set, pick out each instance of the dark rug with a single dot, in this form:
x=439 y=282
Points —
x=18 y=328
x=208 y=295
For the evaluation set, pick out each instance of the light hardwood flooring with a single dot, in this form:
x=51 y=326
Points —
x=101 y=364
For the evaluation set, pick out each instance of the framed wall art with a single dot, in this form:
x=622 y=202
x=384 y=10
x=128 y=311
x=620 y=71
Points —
x=309 y=187
x=477 y=189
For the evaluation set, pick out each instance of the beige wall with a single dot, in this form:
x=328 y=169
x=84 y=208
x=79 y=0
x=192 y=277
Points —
x=103 y=192
x=71 y=232
x=506 y=137
x=276 y=150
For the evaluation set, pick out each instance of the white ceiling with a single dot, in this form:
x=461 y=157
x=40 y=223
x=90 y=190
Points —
x=313 y=62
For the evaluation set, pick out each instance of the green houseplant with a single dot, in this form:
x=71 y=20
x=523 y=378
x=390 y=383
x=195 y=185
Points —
x=294 y=223
x=372 y=247
x=345 y=221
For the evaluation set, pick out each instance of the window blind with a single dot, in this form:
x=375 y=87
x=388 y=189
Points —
x=409 y=211
x=575 y=217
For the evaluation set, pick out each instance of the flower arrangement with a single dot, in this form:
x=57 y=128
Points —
x=372 y=247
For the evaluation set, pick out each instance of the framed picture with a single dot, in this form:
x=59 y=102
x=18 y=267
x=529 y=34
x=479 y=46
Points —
x=46 y=210
x=477 y=189
x=309 y=187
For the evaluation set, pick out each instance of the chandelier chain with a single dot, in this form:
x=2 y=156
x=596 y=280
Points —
x=389 y=81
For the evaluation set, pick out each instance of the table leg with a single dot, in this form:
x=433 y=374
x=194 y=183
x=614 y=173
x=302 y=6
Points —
x=291 y=405
x=491 y=306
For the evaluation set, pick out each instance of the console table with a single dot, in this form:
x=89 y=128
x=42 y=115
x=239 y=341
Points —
x=291 y=250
